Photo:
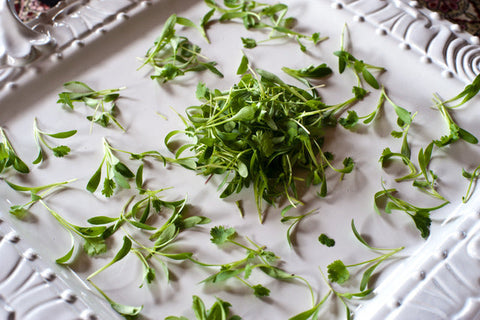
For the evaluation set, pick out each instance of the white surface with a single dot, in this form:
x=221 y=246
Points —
x=108 y=60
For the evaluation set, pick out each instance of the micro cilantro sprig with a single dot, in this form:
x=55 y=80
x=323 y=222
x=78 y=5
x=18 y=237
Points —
x=359 y=67
x=455 y=131
x=117 y=173
x=8 y=157
x=260 y=133
x=219 y=310
x=472 y=177
x=387 y=200
x=36 y=194
x=40 y=138
x=256 y=258
x=261 y=16
x=103 y=102
x=172 y=56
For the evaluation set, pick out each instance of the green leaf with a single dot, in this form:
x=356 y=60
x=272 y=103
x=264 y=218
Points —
x=260 y=291
x=108 y=187
x=467 y=136
x=199 y=308
x=243 y=67
x=422 y=221
x=61 y=151
x=367 y=275
x=370 y=79
x=337 y=272
x=276 y=273
x=95 y=246
x=326 y=240
x=221 y=235
x=350 y=121
x=64 y=259
x=94 y=181
x=98 y=220
x=62 y=135
x=249 y=43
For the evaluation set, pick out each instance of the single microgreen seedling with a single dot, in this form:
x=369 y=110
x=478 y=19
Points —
x=256 y=258
x=58 y=151
x=117 y=174
x=94 y=243
x=470 y=91
x=261 y=16
x=305 y=75
x=172 y=55
x=219 y=310
x=456 y=132
x=359 y=67
x=472 y=177
x=129 y=312
x=8 y=157
x=419 y=215
x=296 y=220
x=428 y=182
x=103 y=102
x=36 y=194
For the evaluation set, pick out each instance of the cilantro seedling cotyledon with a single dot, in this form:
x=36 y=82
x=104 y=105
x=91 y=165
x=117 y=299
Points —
x=9 y=157
x=219 y=310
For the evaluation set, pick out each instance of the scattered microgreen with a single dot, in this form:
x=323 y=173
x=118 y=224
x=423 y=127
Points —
x=311 y=72
x=260 y=133
x=388 y=155
x=470 y=91
x=117 y=174
x=219 y=310
x=456 y=132
x=256 y=258
x=8 y=156
x=129 y=312
x=58 y=151
x=255 y=15
x=296 y=220
x=94 y=243
x=419 y=215
x=172 y=55
x=472 y=177
x=326 y=240
x=359 y=67
x=103 y=102
x=36 y=194
x=428 y=182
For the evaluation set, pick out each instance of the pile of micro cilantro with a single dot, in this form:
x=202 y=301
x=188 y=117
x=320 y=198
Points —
x=264 y=134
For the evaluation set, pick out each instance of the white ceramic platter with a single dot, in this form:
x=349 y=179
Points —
x=98 y=42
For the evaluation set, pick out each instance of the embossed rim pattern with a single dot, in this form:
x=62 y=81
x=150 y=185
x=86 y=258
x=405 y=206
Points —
x=31 y=289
